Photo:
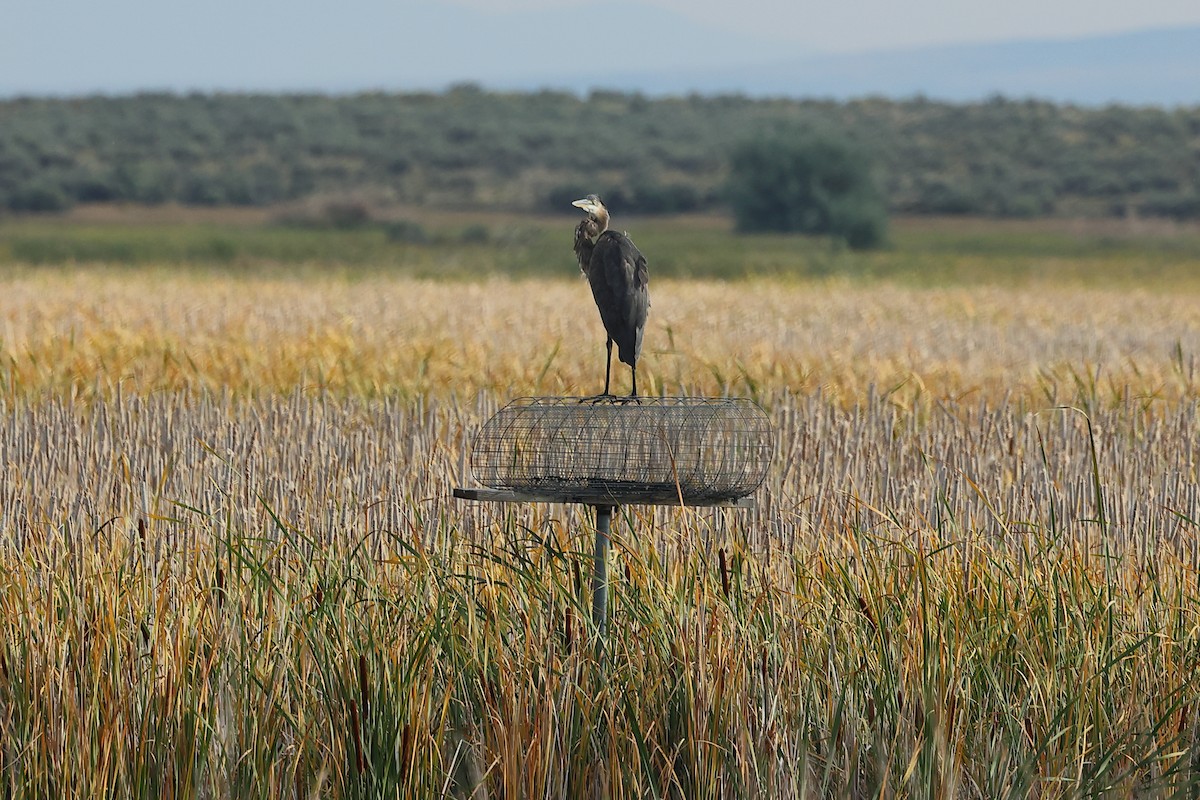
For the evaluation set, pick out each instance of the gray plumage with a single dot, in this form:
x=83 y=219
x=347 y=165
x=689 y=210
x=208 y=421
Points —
x=616 y=271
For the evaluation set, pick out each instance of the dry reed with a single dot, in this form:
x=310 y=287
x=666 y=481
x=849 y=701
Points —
x=230 y=565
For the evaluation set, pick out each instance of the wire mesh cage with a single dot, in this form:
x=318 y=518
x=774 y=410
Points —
x=658 y=450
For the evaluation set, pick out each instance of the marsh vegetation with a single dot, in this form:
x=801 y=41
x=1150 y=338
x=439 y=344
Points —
x=230 y=565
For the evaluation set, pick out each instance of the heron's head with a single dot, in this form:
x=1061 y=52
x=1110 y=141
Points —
x=595 y=209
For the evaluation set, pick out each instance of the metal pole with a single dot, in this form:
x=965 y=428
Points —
x=600 y=570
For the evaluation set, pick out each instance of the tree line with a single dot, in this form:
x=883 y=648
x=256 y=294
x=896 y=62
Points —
x=466 y=147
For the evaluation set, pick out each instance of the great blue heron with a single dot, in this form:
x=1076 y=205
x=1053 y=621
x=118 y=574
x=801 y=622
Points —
x=616 y=270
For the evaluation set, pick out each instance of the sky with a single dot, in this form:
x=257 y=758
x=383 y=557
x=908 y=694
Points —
x=79 y=47
x=849 y=26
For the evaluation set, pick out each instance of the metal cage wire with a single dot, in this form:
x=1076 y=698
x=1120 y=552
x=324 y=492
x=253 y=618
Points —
x=661 y=449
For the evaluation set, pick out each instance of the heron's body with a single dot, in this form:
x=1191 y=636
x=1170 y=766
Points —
x=616 y=271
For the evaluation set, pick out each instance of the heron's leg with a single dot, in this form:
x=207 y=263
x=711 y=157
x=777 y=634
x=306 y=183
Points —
x=633 y=395
x=607 y=396
x=608 y=366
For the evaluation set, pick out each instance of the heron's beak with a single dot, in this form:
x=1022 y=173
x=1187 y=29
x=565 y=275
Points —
x=585 y=204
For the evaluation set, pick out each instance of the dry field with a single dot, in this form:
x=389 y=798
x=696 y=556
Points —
x=230 y=565
x=101 y=334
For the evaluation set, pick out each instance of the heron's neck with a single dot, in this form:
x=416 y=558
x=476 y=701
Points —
x=601 y=217
x=583 y=243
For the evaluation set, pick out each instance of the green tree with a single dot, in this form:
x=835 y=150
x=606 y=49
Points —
x=807 y=183
x=39 y=195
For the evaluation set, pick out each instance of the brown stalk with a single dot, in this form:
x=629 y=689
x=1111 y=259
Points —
x=356 y=734
x=362 y=685
x=405 y=752
x=866 y=612
x=219 y=588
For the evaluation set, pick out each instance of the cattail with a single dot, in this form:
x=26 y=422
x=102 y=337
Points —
x=362 y=685
x=219 y=587
x=866 y=612
x=405 y=752
x=356 y=734
x=724 y=572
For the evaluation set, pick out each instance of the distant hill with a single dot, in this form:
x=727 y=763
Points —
x=126 y=46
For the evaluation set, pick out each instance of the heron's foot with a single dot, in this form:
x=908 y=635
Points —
x=616 y=400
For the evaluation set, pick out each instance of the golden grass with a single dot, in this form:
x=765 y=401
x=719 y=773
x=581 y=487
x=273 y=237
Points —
x=89 y=333
x=230 y=565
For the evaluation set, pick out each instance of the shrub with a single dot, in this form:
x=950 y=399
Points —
x=346 y=215
x=407 y=231
x=945 y=196
x=474 y=234
x=39 y=196
x=1179 y=205
x=804 y=183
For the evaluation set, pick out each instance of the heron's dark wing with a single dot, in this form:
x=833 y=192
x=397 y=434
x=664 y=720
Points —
x=620 y=284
